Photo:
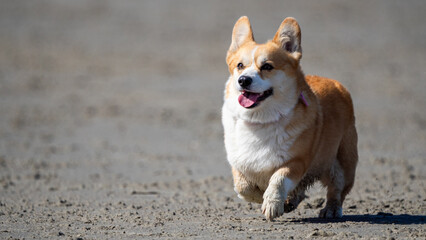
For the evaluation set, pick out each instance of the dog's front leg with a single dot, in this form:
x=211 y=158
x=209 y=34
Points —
x=246 y=190
x=284 y=180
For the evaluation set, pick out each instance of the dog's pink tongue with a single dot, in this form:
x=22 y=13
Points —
x=248 y=99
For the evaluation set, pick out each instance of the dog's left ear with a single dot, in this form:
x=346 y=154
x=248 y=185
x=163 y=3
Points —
x=288 y=37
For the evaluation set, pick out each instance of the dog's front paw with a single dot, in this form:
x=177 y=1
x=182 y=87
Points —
x=272 y=208
x=273 y=203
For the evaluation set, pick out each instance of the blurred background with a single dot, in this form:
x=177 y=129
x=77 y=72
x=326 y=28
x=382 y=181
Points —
x=97 y=93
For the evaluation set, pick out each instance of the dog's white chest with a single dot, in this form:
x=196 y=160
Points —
x=256 y=147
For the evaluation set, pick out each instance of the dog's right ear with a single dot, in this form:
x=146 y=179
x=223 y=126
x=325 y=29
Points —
x=241 y=34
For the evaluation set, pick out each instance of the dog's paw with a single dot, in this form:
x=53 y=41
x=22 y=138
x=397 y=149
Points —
x=272 y=208
x=331 y=211
x=273 y=202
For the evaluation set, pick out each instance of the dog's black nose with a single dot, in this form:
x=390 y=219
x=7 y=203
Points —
x=244 y=81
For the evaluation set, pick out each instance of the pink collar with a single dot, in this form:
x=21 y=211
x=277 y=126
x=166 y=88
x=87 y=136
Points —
x=303 y=99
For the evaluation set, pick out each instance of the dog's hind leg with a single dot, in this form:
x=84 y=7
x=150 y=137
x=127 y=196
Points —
x=348 y=159
x=341 y=177
x=335 y=182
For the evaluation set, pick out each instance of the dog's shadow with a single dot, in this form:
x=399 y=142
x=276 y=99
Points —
x=380 y=218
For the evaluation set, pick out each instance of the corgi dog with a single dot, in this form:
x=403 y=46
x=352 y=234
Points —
x=284 y=130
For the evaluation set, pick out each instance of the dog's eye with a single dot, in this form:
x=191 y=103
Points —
x=240 y=66
x=267 y=67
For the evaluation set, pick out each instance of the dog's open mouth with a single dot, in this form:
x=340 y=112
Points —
x=251 y=99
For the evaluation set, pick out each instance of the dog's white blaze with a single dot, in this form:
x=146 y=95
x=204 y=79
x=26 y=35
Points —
x=258 y=85
x=252 y=54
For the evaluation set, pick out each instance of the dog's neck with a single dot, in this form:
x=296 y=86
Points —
x=303 y=99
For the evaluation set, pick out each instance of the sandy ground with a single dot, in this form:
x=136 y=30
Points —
x=110 y=118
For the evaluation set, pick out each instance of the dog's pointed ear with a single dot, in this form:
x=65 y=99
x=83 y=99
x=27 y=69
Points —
x=241 y=34
x=289 y=37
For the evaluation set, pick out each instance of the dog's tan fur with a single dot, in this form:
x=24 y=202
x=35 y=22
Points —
x=316 y=135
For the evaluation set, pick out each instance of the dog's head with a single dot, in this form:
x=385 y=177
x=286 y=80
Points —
x=264 y=82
